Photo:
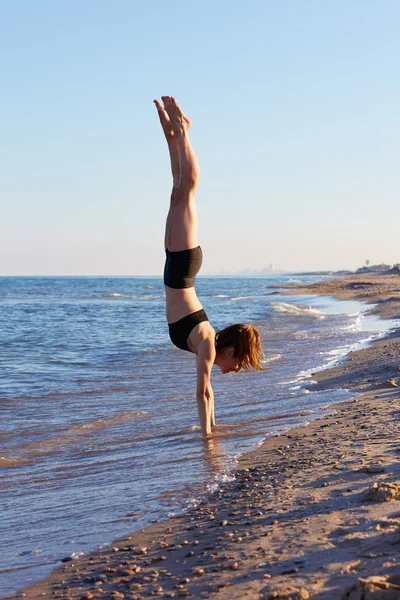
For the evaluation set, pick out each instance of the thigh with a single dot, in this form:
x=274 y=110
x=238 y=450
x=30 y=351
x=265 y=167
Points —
x=181 y=227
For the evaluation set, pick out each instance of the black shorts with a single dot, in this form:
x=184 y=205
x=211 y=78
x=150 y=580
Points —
x=180 y=330
x=182 y=267
x=180 y=272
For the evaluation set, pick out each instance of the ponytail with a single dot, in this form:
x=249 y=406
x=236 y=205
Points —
x=246 y=342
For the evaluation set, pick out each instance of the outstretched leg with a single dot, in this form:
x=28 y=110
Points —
x=181 y=226
x=171 y=141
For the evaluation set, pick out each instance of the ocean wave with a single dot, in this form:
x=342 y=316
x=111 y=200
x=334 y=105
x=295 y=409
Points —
x=336 y=357
x=356 y=326
x=271 y=358
x=118 y=419
x=296 y=388
x=296 y=310
x=303 y=334
x=77 y=394
x=73 y=435
x=128 y=297
x=242 y=298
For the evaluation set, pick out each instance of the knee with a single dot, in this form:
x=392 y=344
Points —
x=183 y=193
x=188 y=181
x=194 y=176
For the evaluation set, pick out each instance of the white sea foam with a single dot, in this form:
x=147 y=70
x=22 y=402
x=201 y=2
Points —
x=75 y=555
x=356 y=326
x=336 y=356
x=296 y=310
x=212 y=487
x=242 y=298
x=192 y=503
x=226 y=477
x=128 y=297
x=271 y=358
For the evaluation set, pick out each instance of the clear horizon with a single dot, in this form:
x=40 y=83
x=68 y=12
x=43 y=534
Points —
x=254 y=273
x=295 y=124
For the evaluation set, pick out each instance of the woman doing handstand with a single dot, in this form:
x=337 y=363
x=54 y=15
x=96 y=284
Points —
x=235 y=347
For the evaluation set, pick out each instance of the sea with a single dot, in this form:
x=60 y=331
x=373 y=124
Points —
x=99 y=433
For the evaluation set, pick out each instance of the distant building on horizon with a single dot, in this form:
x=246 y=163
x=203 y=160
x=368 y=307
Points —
x=382 y=268
x=268 y=270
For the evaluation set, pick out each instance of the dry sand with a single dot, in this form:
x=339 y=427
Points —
x=314 y=513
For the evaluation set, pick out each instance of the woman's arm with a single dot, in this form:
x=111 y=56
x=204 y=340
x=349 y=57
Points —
x=204 y=393
x=212 y=409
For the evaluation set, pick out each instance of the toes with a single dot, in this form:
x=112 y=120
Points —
x=161 y=109
x=168 y=100
x=164 y=118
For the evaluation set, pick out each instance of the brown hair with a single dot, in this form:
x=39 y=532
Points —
x=246 y=342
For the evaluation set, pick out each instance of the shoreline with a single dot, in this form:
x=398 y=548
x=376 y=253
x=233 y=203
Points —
x=294 y=517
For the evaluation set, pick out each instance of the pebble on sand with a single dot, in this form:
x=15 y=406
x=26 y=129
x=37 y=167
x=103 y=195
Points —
x=382 y=492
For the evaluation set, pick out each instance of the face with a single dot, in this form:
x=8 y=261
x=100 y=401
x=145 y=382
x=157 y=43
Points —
x=227 y=362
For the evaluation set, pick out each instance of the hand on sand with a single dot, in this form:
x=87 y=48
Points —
x=172 y=119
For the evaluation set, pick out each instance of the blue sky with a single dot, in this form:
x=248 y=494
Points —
x=295 y=122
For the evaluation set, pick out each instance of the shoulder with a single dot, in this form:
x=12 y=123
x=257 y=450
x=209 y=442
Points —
x=201 y=337
x=207 y=344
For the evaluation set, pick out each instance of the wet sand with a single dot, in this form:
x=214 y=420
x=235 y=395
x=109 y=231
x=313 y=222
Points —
x=382 y=290
x=313 y=513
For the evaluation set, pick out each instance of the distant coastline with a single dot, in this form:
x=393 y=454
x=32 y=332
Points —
x=270 y=271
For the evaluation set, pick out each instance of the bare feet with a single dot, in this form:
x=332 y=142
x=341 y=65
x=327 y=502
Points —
x=165 y=121
x=179 y=122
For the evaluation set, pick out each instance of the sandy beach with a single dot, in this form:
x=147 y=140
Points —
x=312 y=513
